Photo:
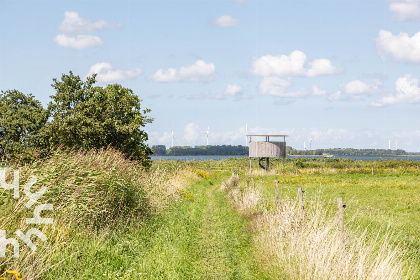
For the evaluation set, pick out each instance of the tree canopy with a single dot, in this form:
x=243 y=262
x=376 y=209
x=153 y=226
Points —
x=80 y=115
x=87 y=116
x=21 y=119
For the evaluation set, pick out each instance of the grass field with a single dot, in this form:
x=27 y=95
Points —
x=174 y=221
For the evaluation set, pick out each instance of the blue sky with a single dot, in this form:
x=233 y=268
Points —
x=333 y=73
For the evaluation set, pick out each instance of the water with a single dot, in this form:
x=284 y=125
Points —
x=190 y=158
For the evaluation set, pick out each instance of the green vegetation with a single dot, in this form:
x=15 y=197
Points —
x=208 y=150
x=80 y=115
x=349 y=152
x=115 y=219
x=95 y=195
x=21 y=119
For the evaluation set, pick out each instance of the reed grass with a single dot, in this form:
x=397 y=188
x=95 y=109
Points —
x=93 y=193
x=292 y=246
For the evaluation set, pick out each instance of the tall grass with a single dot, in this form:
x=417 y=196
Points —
x=312 y=247
x=93 y=193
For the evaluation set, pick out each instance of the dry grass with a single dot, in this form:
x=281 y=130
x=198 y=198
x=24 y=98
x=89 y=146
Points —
x=92 y=193
x=311 y=247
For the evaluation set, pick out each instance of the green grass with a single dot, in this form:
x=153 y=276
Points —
x=151 y=225
x=198 y=238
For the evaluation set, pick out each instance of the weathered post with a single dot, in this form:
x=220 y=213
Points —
x=253 y=183
x=341 y=218
x=301 y=208
x=277 y=194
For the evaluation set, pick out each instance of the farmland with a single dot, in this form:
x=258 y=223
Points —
x=183 y=220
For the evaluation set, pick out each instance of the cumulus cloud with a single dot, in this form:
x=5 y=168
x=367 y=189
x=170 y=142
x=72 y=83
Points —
x=105 y=73
x=233 y=89
x=73 y=23
x=191 y=132
x=294 y=64
x=359 y=88
x=400 y=48
x=275 y=86
x=407 y=91
x=405 y=9
x=200 y=71
x=317 y=91
x=77 y=42
x=226 y=21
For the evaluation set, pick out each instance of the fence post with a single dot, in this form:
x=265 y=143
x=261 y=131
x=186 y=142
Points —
x=253 y=183
x=277 y=194
x=341 y=217
x=301 y=208
x=372 y=170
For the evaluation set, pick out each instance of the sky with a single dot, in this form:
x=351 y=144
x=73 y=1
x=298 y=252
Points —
x=329 y=74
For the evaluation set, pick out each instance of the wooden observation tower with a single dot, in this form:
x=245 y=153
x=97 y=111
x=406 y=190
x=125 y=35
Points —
x=264 y=150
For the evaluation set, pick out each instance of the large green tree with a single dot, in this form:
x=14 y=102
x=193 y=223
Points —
x=21 y=119
x=88 y=116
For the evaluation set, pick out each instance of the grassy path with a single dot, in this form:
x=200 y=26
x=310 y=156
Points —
x=198 y=238
x=202 y=238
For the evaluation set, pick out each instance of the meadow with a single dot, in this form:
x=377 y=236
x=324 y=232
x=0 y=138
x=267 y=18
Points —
x=115 y=219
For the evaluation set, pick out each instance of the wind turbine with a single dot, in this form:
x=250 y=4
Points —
x=207 y=135
x=310 y=144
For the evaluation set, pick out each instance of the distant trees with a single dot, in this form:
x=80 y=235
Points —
x=349 y=152
x=80 y=114
x=159 y=150
x=208 y=150
x=21 y=120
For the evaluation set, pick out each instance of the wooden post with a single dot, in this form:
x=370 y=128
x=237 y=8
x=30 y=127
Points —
x=372 y=170
x=341 y=218
x=301 y=208
x=253 y=183
x=296 y=171
x=277 y=194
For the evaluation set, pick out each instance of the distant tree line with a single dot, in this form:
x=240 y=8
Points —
x=229 y=150
x=348 y=152
x=219 y=150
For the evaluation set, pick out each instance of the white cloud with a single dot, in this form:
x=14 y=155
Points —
x=279 y=87
x=318 y=92
x=358 y=88
x=233 y=89
x=226 y=21
x=77 y=42
x=191 y=132
x=335 y=96
x=108 y=75
x=198 y=72
x=401 y=47
x=405 y=9
x=294 y=64
x=73 y=23
x=407 y=91
x=321 y=67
